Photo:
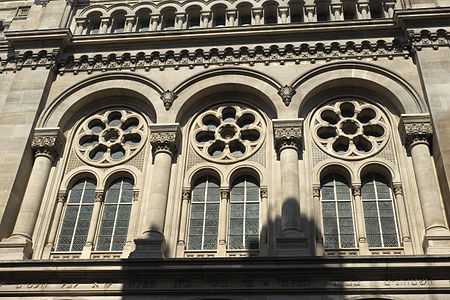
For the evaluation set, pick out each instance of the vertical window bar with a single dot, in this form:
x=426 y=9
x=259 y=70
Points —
x=78 y=214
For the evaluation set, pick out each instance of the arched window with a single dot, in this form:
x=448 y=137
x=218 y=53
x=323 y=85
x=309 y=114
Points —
x=376 y=9
x=323 y=10
x=379 y=212
x=296 y=11
x=270 y=13
x=337 y=212
x=143 y=20
x=218 y=15
x=116 y=215
x=93 y=23
x=204 y=215
x=349 y=9
x=118 y=22
x=244 y=14
x=193 y=16
x=243 y=230
x=77 y=216
x=168 y=19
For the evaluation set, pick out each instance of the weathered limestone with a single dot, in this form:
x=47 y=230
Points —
x=418 y=133
x=45 y=144
x=164 y=145
x=288 y=136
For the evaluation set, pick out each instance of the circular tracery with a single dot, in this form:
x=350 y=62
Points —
x=228 y=133
x=111 y=137
x=350 y=129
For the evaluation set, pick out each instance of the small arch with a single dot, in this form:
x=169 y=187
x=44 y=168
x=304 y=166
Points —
x=76 y=175
x=270 y=11
x=168 y=18
x=93 y=23
x=204 y=172
x=253 y=171
x=244 y=14
x=118 y=172
x=334 y=168
x=193 y=16
x=118 y=21
x=143 y=19
x=218 y=15
x=377 y=168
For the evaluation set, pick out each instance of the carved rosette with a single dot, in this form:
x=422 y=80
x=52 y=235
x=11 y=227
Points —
x=417 y=129
x=286 y=93
x=288 y=134
x=164 y=138
x=168 y=97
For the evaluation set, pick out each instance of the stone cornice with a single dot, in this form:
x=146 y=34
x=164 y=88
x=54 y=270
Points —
x=429 y=39
x=416 y=128
x=288 y=133
x=164 y=138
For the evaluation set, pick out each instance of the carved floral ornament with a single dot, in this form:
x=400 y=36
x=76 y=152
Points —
x=110 y=137
x=288 y=134
x=350 y=129
x=417 y=129
x=228 y=133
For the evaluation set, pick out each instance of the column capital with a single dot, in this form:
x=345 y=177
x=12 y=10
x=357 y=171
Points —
x=136 y=194
x=164 y=137
x=61 y=197
x=186 y=194
x=98 y=196
x=316 y=191
x=47 y=142
x=225 y=193
x=263 y=192
x=398 y=189
x=356 y=190
x=417 y=128
x=288 y=133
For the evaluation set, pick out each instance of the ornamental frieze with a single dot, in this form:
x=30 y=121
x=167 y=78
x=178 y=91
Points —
x=428 y=39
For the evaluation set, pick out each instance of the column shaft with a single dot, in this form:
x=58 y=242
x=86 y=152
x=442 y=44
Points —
x=290 y=188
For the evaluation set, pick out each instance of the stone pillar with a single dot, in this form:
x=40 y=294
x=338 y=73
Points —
x=104 y=24
x=181 y=243
x=134 y=216
x=154 y=22
x=363 y=10
x=418 y=133
x=129 y=23
x=80 y=26
x=310 y=13
x=231 y=17
x=205 y=18
x=89 y=245
x=361 y=233
x=163 y=139
x=223 y=221
x=284 y=14
x=288 y=139
x=337 y=11
x=319 y=248
x=403 y=219
x=61 y=199
x=257 y=16
x=180 y=21
x=45 y=145
x=265 y=220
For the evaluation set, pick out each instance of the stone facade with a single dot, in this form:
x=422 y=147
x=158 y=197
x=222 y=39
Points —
x=224 y=149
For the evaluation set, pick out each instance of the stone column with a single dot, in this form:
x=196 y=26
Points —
x=363 y=10
x=231 y=17
x=45 y=145
x=310 y=13
x=284 y=14
x=104 y=24
x=418 y=133
x=319 y=249
x=154 y=22
x=361 y=233
x=89 y=245
x=180 y=21
x=80 y=26
x=265 y=218
x=134 y=217
x=129 y=23
x=223 y=217
x=181 y=243
x=337 y=11
x=257 y=16
x=163 y=139
x=205 y=19
x=403 y=219
x=288 y=139
x=61 y=199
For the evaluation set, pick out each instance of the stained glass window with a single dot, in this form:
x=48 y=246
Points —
x=204 y=215
x=77 y=216
x=379 y=212
x=116 y=216
x=337 y=213
x=243 y=230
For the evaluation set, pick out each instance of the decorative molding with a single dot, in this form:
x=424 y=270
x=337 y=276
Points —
x=288 y=133
x=417 y=128
x=316 y=191
x=398 y=189
x=186 y=194
x=224 y=194
x=61 y=197
x=428 y=39
x=47 y=141
x=185 y=58
x=356 y=191
x=99 y=195
x=168 y=97
x=263 y=192
x=136 y=195
x=286 y=93
x=164 y=138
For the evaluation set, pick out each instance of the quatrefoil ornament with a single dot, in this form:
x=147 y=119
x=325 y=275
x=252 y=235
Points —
x=111 y=137
x=228 y=133
x=350 y=129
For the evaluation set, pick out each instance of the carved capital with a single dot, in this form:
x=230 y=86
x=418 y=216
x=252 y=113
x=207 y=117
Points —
x=186 y=196
x=316 y=191
x=47 y=142
x=62 y=197
x=288 y=133
x=263 y=192
x=286 y=93
x=417 y=128
x=136 y=196
x=99 y=195
x=356 y=190
x=168 y=97
x=164 y=138
x=224 y=194
x=398 y=189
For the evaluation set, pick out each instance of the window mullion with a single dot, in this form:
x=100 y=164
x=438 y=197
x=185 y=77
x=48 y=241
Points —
x=204 y=212
x=245 y=213
x=78 y=215
x=115 y=215
x=378 y=213
x=394 y=213
x=337 y=213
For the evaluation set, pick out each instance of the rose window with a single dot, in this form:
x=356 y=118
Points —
x=228 y=133
x=110 y=137
x=350 y=129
